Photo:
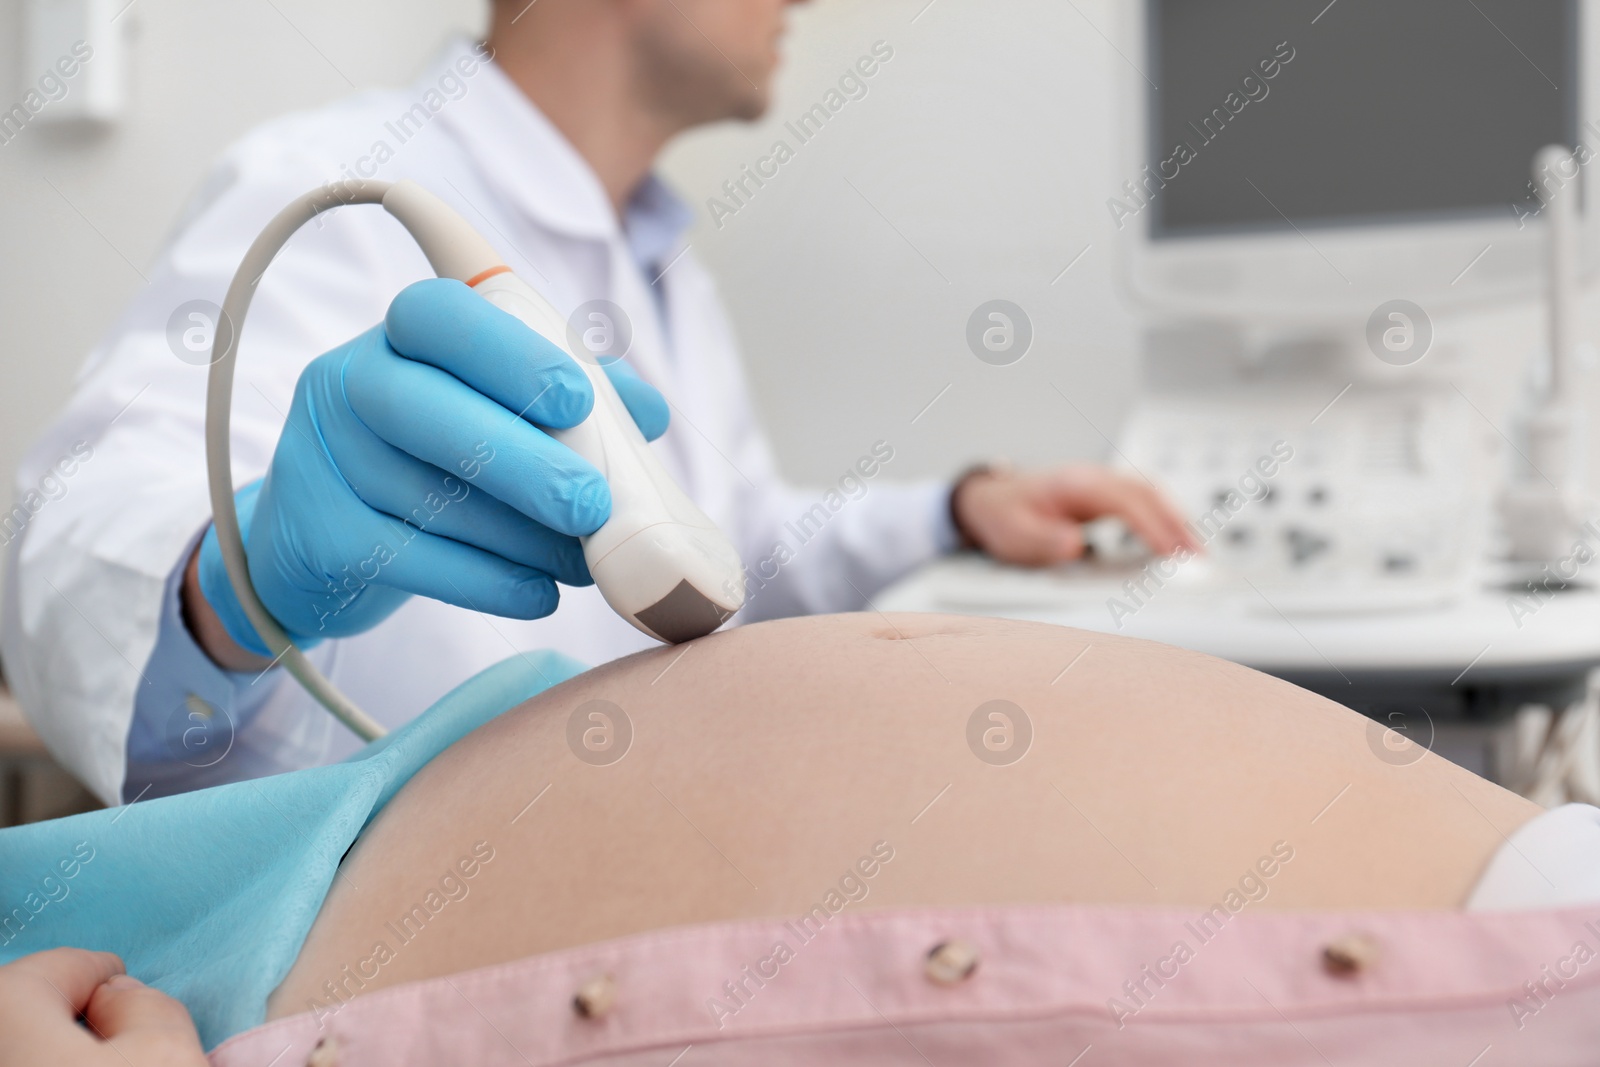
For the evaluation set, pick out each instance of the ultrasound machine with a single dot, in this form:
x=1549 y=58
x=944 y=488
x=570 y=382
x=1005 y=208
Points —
x=1309 y=200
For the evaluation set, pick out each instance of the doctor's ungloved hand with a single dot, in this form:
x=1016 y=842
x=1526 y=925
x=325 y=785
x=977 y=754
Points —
x=1035 y=519
x=412 y=462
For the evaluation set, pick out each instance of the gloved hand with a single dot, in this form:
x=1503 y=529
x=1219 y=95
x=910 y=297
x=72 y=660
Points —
x=412 y=463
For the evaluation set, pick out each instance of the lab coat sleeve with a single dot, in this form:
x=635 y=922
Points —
x=812 y=551
x=833 y=547
x=94 y=552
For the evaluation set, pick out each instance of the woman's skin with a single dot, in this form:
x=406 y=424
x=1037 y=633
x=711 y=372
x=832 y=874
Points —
x=125 y=1022
x=767 y=760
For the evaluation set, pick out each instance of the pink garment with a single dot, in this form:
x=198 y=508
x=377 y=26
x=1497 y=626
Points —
x=1052 y=983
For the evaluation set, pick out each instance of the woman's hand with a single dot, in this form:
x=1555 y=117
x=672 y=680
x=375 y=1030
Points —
x=128 y=1024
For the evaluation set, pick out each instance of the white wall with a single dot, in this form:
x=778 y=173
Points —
x=84 y=213
x=972 y=170
x=975 y=168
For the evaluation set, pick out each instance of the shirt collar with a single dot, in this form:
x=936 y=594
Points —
x=656 y=221
x=532 y=164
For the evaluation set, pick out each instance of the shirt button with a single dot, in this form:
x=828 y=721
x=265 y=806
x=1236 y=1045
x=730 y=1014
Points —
x=595 y=997
x=950 y=962
x=326 y=1054
x=1348 y=956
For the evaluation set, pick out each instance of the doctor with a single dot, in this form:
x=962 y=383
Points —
x=121 y=636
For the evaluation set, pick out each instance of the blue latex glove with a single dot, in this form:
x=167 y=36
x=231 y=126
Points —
x=412 y=463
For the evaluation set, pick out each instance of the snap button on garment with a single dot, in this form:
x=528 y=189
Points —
x=595 y=997
x=1347 y=956
x=326 y=1054
x=950 y=962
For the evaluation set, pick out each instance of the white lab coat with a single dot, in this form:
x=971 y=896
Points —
x=94 y=565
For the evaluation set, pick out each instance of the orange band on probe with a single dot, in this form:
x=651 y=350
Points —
x=486 y=275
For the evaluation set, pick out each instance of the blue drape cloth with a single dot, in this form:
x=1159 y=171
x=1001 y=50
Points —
x=209 y=895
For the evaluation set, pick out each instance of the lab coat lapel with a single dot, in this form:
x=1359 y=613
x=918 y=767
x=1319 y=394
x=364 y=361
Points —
x=651 y=353
x=703 y=421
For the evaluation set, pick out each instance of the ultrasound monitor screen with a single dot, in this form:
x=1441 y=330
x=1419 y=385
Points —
x=1272 y=114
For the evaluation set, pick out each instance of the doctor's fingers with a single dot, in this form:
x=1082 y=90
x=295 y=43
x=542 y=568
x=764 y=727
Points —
x=1146 y=511
x=1037 y=540
x=146 y=1027
x=442 y=569
x=449 y=504
x=446 y=325
x=644 y=402
x=440 y=420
